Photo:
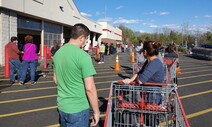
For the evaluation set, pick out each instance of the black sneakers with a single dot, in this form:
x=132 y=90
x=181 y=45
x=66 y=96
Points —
x=33 y=83
x=22 y=83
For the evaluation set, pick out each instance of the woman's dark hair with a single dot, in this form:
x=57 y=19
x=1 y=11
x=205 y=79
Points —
x=13 y=38
x=151 y=47
x=78 y=30
x=28 y=39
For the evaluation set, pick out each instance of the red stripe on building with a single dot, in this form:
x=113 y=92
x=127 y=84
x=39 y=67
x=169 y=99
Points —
x=106 y=30
x=118 y=34
x=111 y=31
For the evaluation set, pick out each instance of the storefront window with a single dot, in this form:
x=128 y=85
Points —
x=52 y=33
x=28 y=23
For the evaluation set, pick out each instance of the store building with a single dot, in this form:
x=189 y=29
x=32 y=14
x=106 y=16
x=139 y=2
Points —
x=110 y=34
x=46 y=20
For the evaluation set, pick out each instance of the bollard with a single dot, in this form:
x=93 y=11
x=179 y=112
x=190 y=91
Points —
x=44 y=55
x=6 y=63
x=97 y=54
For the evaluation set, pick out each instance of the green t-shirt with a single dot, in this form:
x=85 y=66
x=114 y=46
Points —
x=71 y=65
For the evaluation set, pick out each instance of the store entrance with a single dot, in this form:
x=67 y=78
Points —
x=22 y=33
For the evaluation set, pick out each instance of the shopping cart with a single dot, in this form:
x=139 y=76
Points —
x=146 y=105
x=39 y=68
x=170 y=65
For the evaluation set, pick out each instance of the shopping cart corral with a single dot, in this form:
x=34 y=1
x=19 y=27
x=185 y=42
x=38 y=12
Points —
x=148 y=105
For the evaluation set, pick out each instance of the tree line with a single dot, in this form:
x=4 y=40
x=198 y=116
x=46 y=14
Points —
x=167 y=36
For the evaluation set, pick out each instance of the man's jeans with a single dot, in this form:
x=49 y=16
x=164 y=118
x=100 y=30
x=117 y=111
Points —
x=15 y=65
x=80 y=119
x=26 y=64
x=101 y=57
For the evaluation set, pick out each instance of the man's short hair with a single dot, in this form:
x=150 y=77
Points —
x=13 y=38
x=78 y=30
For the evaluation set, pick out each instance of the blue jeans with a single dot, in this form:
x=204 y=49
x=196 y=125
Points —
x=15 y=65
x=80 y=119
x=101 y=57
x=26 y=64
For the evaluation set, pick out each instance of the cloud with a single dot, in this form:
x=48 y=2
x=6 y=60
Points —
x=157 y=13
x=142 y=31
x=119 y=7
x=85 y=14
x=207 y=16
x=126 y=21
x=147 y=23
x=153 y=26
x=164 y=13
x=172 y=26
x=196 y=17
x=107 y=19
x=98 y=13
x=151 y=13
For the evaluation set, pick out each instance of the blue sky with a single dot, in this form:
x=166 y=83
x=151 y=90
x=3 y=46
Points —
x=150 y=15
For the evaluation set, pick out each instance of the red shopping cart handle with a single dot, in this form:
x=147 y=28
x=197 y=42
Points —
x=121 y=82
x=154 y=84
x=147 y=83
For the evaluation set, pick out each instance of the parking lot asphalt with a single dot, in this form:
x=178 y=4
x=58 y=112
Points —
x=35 y=106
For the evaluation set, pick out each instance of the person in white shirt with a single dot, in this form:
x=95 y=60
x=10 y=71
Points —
x=87 y=46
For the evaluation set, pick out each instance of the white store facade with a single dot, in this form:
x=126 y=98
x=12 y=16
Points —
x=47 y=21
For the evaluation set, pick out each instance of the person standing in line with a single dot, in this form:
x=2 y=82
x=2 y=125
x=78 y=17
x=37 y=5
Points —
x=55 y=48
x=30 y=58
x=14 y=61
x=152 y=70
x=73 y=75
x=87 y=46
x=102 y=52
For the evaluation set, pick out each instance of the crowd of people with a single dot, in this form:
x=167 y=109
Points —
x=22 y=61
x=74 y=71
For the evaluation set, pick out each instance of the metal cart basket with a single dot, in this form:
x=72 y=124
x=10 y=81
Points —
x=147 y=105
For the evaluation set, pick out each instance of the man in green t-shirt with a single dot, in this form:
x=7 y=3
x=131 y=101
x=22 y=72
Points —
x=73 y=74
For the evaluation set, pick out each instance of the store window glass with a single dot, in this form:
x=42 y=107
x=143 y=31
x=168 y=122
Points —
x=52 y=33
x=28 y=23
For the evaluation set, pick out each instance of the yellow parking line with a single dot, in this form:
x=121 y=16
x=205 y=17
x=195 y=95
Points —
x=196 y=94
x=199 y=113
x=40 y=97
x=54 y=95
x=195 y=76
x=46 y=88
x=195 y=83
x=26 y=90
x=53 y=107
x=27 y=99
x=188 y=116
x=196 y=71
x=195 y=68
x=27 y=111
x=114 y=76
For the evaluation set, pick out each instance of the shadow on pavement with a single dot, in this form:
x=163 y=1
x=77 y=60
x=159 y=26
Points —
x=122 y=76
x=102 y=109
x=5 y=86
x=127 y=69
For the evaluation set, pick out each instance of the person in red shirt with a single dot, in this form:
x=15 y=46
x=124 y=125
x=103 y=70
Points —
x=15 y=64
